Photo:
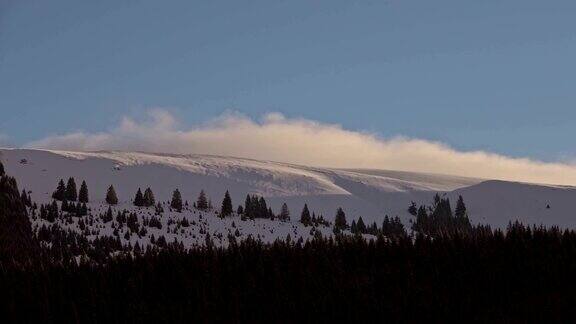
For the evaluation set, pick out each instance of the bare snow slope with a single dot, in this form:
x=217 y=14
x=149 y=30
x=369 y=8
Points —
x=367 y=193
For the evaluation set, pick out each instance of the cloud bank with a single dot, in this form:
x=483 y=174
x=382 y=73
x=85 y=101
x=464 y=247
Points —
x=309 y=143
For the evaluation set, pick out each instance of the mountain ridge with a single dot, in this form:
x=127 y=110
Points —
x=368 y=193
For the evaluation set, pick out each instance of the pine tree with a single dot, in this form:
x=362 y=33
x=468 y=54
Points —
x=240 y=210
x=83 y=194
x=353 y=227
x=176 y=202
x=361 y=226
x=60 y=192
x=226 y=205
x=16 y=238
x=460 y=208
x=2 y=173
x=202 y=202
x=284 y=213
x=149 y=200
x=413 y=210
x=262 y=208
x=305 y=216
x=26 y=198
x=340 y=220
x=248 y=207
x=71 y=192
x=111 y=197
x=139 y=199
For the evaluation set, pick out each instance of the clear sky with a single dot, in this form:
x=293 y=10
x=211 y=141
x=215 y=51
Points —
x=485 y=75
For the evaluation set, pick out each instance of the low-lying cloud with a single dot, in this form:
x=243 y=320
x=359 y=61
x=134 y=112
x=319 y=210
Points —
x=307 y=142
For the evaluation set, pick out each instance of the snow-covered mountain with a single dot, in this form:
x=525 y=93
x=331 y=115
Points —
x=367 y=193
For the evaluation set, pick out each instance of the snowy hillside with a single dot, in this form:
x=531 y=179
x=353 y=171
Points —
x=367 y=193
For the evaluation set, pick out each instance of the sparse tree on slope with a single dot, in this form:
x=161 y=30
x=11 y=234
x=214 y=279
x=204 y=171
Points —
x=83 y=194
x=60 y=192
x=111 y=197
x=139 y=199
x=176 y=202
x=305 y=216
x=2 y=169
x=340 y=220
x=262 y=208
x=202 y=202
x=71 y=192
x=149 y=198
x=413 y=209
x=284 y=213
x=226 y=205
x=248 y=207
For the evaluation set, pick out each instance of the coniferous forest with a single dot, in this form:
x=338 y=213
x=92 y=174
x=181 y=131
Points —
x=444 y=269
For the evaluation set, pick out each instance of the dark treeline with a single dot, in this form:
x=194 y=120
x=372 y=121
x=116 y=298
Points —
x=448 y=271
x=525 y=275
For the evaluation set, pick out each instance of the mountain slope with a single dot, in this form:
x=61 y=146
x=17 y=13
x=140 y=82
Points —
x=367 y=193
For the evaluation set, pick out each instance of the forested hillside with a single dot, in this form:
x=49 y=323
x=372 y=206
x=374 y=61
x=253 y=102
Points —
x=442 y=268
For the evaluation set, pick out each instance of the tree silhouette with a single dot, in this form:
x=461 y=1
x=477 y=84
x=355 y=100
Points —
x=111 y=197
x=176 y=202
x=226 y=209
x=83 y=194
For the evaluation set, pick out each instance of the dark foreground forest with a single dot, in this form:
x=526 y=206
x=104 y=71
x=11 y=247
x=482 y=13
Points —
x=447 y=270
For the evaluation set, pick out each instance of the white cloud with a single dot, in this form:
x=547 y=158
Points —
x=307 y=142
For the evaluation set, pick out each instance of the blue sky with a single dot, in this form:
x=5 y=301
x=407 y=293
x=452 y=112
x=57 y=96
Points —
x=477 y=75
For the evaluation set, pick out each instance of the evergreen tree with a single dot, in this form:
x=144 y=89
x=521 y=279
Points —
x=139 y=199
x=111 y=197
x=149 y=200
x=26 y=198
x=284 y=213
x=226 y=205
x=60 y=192
x=83 y=194
x=240 y=210
x=361 y=226
x=413 y=210
x=53 y=212
x=248 y=207
x=176 y=202
x=460 y=210
x=353 y=227
x=202 y=201
x=71 y=192
x=340 y=220
x=305 y=216
x=2 y=169
x=17 y=244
